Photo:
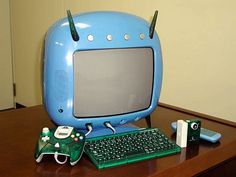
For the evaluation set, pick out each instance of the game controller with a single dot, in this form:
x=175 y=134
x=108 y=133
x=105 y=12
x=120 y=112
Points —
x=61 y=141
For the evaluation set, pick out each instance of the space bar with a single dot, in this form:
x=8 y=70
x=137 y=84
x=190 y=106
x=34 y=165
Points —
x=135 y=153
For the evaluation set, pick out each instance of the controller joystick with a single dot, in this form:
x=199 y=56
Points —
x=63 y=141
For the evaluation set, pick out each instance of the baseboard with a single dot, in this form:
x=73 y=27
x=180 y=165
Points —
x=18 y=106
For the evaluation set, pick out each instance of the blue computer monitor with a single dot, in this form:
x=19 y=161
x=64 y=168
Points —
x=110 y=72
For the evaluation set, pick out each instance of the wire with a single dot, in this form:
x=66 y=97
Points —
x=90 y=129
x=108 y=125
x=58 y=161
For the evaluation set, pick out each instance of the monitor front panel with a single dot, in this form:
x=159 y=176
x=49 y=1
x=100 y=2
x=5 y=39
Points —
x=112 y=81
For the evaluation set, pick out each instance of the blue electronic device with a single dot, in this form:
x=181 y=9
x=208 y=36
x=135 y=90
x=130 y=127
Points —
x=101 y=67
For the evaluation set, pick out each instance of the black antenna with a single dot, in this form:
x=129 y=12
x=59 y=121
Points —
x=153 y=24
x=73 y=31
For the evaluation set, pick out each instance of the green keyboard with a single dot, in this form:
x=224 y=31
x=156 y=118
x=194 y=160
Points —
x=128 y=147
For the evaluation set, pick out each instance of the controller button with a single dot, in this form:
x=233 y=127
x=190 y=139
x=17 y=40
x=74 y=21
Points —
x=72 y=136
x=45 y=138
x=45 y=130
x=57 y=145
x=81 y=137
x=77 y=134
x=76 y=139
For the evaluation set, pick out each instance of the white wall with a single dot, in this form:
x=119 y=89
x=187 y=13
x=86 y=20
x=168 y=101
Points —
x=198 y=42
x=30 y=21
x=6 y=77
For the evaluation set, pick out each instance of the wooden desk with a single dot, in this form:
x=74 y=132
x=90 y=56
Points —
x=19 y=131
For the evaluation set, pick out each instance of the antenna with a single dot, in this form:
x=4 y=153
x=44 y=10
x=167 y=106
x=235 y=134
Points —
x=153 y=24
x=73 y=31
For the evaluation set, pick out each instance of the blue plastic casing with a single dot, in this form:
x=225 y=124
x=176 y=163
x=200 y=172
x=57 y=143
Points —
x=58 y=62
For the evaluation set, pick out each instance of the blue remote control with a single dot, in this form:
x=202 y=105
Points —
x=205 y=134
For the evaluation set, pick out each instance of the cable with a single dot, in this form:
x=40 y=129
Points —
x=108 y=125
x=58 y=161
x=90 y=129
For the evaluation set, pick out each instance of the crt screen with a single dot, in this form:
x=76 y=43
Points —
x=112 y=81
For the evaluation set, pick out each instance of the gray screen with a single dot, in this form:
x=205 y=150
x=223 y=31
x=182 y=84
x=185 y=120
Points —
x=112 y=81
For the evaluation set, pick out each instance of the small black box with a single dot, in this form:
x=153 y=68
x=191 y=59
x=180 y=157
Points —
x=194 y=128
